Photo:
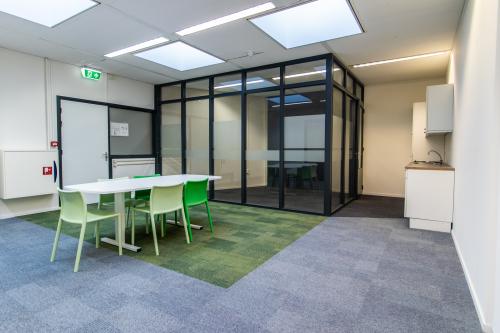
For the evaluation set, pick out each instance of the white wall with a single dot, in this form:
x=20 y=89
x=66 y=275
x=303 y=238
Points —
x=28 y=108
x=387 y=134
x=474 y=152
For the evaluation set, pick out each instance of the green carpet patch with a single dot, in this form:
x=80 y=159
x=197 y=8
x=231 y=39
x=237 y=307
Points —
x=243 y=239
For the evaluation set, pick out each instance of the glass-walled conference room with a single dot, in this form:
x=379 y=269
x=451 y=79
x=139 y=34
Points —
x=285 y=136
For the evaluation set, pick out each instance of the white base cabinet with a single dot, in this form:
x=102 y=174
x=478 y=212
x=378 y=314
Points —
x=429 y=199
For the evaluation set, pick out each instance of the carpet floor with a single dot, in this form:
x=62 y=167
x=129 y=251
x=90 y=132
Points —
x=243 y=239
x=344 y=275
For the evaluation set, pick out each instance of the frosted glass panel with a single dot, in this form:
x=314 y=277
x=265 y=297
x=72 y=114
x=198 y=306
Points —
x=171 y=140
x=305 y=155
x=197 y=138
x=305 y=131
x=227 y=148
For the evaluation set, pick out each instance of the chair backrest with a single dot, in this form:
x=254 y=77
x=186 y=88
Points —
x=195 y=192
x=144 y=193
x=166 y=198
x=73 y=207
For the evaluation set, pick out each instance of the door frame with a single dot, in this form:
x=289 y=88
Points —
x=155 y=145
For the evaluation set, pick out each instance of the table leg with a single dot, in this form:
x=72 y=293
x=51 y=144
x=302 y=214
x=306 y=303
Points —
x=120 y=209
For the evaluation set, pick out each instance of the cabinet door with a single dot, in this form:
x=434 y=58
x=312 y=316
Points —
x=440 y=109
x=429 y=195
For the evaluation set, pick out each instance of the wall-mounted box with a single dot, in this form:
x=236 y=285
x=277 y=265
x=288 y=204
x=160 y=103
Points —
x=28 y=173
x=439 y=109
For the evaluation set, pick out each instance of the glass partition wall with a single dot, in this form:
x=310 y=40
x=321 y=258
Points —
x=285 y=136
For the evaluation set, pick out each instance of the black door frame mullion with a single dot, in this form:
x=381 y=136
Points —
x=244 y=120
x=282 y=175
x=327 y=196
x=211 y=119
x=183 y=127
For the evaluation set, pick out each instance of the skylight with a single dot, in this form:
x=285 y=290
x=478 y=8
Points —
x=309 y=23
x=137 y=47
x=179 y=56
x=46 y=12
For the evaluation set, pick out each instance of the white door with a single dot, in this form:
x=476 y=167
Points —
x=84 y=135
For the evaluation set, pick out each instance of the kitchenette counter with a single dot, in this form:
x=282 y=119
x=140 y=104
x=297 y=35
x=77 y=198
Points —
x=429 y=166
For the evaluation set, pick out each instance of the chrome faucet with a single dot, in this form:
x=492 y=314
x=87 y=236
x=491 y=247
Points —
x=438 y=154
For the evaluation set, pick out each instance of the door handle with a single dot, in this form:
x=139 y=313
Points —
x=106 y=156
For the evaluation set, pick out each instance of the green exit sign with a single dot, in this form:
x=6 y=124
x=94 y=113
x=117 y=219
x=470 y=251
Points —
x=91 y=74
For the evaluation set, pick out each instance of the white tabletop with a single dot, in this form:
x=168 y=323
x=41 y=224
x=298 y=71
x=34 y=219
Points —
x=134 y=184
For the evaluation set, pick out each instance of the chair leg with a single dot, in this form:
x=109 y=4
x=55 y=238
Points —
x=80 y=245
x=209 y=217
x=187 y=221
x=97 y=235
x=175 y=217
x=188 y=240
x=162 y=226
x=56 y=241
x=132 y=229
x=153 y=230
x=120 y=239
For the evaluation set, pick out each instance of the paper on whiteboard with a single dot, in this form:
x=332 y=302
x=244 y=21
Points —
x=119 y=129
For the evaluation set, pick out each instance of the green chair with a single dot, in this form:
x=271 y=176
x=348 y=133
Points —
x=163 y=199
x=74 y=210
x=142 y=197
x=195 y=193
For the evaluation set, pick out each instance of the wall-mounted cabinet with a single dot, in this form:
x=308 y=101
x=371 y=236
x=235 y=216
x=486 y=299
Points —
x=439 y=109
x=27 y=173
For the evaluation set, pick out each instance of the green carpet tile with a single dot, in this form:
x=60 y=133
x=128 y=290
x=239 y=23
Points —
x=244 y=238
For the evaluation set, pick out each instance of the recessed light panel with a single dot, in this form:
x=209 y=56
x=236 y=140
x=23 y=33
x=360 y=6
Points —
x=180 y=56
x=309 y=23
x=137 y=47
x=228 y=18
x=46 y=12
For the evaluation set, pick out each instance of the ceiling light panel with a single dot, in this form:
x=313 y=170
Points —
x=137 y=47
x=179 y=56
x=46 y=12
x=228 y=18
x=310 y=23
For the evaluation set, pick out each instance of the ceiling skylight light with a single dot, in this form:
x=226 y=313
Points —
x=228 y=18
x=137 y=47
x=46 y=12
x=252 y=83
x=294 y=99
x=179 y=56
x=309 y=23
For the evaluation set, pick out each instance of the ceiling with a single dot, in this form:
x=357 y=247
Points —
x=393 y=28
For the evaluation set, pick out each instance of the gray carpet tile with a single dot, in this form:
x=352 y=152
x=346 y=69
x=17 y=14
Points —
x=349 y=274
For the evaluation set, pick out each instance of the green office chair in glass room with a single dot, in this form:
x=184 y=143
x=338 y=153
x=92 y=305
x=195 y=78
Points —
x=74 y=210
x=163 y=199
x=195 y=193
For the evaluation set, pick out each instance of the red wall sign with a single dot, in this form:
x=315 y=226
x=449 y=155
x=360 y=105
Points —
x=54 y=144
x=47 y=171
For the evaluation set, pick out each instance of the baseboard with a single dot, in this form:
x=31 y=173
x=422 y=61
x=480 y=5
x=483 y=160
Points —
x=392 y=195
x=484 y=326
x=28 y=212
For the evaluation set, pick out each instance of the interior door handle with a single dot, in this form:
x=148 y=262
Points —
x=106 y=156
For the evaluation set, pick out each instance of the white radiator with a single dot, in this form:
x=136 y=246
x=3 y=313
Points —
x=129 y=167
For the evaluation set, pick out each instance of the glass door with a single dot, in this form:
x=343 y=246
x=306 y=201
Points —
x=350 y=165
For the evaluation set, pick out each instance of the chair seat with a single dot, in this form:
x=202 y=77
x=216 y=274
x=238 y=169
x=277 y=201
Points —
x=144 y=209
x=97 y=215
